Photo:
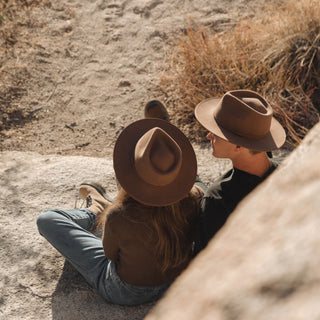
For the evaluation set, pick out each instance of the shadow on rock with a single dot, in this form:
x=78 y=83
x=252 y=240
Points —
x=75 y=299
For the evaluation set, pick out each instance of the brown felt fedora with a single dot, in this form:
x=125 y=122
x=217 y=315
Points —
x=154 y=162
x=242 y=117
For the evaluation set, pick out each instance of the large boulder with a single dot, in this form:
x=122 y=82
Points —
x=35 y=280
x=265 y=262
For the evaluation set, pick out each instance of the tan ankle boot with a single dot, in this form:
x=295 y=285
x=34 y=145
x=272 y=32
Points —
x=155 y=109
x=96 y=200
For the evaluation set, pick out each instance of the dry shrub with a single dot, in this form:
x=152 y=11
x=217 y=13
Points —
x=277 y=53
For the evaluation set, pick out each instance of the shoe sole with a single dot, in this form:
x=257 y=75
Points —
x=99 y=188
x=156 y=109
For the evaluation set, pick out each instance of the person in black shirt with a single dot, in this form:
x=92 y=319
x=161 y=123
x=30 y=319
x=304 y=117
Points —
x=241 y=128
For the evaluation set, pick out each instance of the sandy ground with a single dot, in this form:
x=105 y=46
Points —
x=91 y=66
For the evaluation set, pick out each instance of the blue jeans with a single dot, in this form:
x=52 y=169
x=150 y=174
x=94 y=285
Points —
x=67 y=231
x=200 y=184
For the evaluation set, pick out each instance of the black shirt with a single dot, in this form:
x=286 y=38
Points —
x=221 y=198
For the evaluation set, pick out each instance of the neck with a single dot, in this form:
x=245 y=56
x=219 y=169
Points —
x=257 y=164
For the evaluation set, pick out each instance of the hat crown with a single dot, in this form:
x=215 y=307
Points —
x=154 y=162
x=244 y=113
x=157 y=157
x=244 y=118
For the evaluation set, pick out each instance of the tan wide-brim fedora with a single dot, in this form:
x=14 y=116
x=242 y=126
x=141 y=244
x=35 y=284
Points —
x=244 y=118
x=154 y=162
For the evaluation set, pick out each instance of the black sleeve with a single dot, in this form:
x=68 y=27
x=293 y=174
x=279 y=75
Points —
x=213 y=216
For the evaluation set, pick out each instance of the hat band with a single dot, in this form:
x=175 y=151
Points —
x=239 y=133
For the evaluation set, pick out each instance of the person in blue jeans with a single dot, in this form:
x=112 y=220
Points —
x=147 y=231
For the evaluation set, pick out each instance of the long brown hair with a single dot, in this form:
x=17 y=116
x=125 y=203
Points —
x=173 y=224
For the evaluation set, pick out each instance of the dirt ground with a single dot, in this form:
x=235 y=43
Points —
x=77 y=72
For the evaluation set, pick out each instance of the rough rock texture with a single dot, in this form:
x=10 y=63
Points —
x=35 y=281
x=92 y=65
x=265 y=263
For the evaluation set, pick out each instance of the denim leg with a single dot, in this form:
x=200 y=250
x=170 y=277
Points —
x=66 y=230
x=200 y=184
x=121 y=292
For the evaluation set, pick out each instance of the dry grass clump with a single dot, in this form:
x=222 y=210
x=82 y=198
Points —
x=277 y=53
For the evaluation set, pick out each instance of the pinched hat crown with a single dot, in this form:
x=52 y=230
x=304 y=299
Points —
x=157 y=157
x=245 y=116
x=154 y=162
x=242 y=117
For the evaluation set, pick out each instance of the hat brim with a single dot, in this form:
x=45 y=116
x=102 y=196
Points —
x=123 y=162
x=274 y=139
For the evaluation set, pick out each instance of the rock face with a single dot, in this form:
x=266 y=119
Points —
x=35 y=280
x=265 y=263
